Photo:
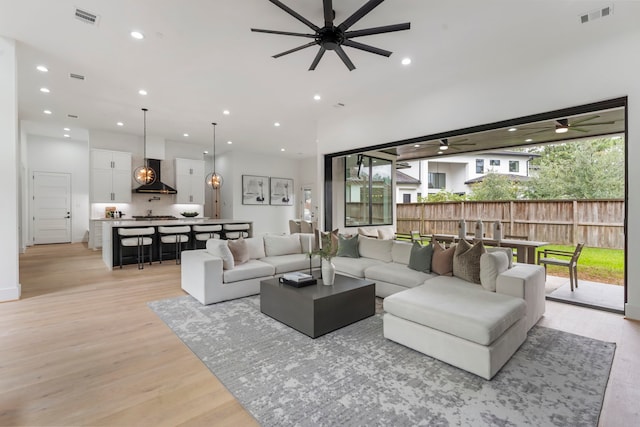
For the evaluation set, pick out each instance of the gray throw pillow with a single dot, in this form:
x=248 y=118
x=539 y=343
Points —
x=466 y=261
x=348 y=246
x=420 y=258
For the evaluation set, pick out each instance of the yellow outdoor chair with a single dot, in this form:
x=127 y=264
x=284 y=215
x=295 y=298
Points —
x=548 y=257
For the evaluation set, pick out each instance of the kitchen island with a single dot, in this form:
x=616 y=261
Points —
x=111 y=240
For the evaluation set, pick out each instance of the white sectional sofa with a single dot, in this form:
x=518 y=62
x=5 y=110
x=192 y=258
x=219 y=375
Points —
x=471 y=326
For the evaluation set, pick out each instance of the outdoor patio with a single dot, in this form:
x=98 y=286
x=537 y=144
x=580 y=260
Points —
x=601 y=296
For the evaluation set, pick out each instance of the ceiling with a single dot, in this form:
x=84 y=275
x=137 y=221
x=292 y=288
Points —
x=199 y=58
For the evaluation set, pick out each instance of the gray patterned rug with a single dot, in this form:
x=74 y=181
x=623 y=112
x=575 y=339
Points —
x=354 y=376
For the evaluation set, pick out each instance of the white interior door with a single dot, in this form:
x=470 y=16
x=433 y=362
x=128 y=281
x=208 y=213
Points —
x=51 y=207
x=308 y=207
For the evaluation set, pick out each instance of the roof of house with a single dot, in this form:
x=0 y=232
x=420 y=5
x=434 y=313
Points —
x=510 y=176
x=403 y=178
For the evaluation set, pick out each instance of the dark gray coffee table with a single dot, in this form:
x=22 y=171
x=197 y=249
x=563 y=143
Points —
x=318 y=309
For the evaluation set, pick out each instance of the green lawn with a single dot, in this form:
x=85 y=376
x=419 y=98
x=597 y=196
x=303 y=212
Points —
x=595 y=264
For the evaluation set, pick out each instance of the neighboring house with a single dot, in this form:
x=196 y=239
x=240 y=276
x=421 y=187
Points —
x=455 y=173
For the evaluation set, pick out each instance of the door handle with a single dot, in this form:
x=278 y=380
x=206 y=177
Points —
x=68 y=216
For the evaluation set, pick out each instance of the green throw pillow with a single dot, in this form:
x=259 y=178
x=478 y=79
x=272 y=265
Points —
x=420 y=258
x=348 y=246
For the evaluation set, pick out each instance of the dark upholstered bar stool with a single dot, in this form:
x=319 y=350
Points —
x=176 y=235
x=138 y=237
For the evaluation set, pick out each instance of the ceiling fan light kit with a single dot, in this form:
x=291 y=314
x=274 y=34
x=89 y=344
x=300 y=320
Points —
x=331 y=37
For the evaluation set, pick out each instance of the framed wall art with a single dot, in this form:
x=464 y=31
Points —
x=255 y=190
x=281 y=191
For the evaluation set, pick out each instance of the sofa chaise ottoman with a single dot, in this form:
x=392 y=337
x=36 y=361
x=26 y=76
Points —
x=457 y=322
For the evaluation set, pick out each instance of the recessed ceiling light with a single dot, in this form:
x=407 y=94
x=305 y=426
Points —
x=42 y=68
x=120 y=124
x=528 y=140
x=137 y=35
x=439 y=152
x=226 y=112
x=282 y=149
x=44 y=90
x=186 y=135
x=513 y=129
x=66 y=129
x=406 y=61
x=416 y=146
x=142 y=92
x=47 y=111
x=229 y=142
x=205 y=152
x=276 y=124
x=66 y=135
x=317 y=97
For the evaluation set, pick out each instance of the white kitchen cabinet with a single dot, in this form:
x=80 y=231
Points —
x=95 y=234
x=190 y=181
x=110 y=176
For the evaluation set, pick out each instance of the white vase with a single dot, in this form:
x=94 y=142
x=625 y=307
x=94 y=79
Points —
x=328 y=272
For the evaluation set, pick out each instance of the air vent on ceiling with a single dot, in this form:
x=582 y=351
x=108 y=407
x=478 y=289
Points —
x=72 y=116
x=87 y=17
x=76 y=76
x=596 y=14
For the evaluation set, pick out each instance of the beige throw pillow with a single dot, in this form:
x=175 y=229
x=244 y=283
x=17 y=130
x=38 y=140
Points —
x=239 y=250
x=466 y=261
x=442 y=260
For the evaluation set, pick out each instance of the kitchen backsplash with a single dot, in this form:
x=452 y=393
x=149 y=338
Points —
x=142 y=203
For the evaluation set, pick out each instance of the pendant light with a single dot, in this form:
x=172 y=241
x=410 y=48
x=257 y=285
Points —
x=214 y=180
x=144 y=174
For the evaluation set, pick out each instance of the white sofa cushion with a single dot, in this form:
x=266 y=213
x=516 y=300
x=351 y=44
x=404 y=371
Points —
x=249 y=270
x=507 y=251
x=492 y=264
x=401 y=252
x=457 y=307
x=255 y=245
x=291 y=262
x=281 y=245
x=307 y=242
x=386 y=233
x=371 y=232
x=375 y=248
x=396 y=273
x=220 y=248
x=353 y=266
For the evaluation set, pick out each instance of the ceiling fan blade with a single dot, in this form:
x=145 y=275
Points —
x=359 y=14
x=366 y=48
x=340 y=52
x=296 y=15
x=458 y=141
x=378 y=30
x=538 y=131
x=328 y=12
x=317 y=59
x=283 y=33
x=593 y=124
x=578 y=129
x=304 y=46
x=595 y=116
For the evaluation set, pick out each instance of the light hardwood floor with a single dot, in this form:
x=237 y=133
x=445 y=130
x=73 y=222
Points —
x=82 y=348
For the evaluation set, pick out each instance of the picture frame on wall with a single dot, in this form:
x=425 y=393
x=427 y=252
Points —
x=255 y=190
x=281 y=191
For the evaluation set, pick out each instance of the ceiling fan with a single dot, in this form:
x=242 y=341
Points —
x=563 y=125
x=331 y=37
x=424 y=150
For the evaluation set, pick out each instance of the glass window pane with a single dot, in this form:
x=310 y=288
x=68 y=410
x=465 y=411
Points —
x=479 y=165
x=368 y=195
x=514 y=166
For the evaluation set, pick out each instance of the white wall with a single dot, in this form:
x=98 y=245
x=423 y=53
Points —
x=606 y=69
x=47 y=154
x=9 y=161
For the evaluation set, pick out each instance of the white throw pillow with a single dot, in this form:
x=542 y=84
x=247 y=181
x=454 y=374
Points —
x=375 y=248
x=282 y=245
x=507 y=251
x=256 y=247
x=220 y=248
x=491 y=265
x=386 y=233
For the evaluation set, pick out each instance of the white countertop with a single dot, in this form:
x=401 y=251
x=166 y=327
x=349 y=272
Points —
x=177 y=221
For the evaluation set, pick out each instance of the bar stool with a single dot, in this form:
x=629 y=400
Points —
x=205 y=232
x=176 y=236
x=235 y=231
x=140 y=240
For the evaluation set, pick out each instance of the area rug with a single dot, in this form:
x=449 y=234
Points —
x=354 y=376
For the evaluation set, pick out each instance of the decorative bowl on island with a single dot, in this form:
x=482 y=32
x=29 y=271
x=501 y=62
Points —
x=189 y=214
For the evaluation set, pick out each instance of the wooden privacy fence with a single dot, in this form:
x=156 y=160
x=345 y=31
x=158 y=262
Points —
x=597 y=223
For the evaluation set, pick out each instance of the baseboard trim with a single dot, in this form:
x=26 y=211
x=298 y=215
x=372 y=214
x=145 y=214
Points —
x=632 y=311
x=10 y=294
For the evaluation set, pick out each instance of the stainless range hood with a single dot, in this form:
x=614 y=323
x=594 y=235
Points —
x=158 y=187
